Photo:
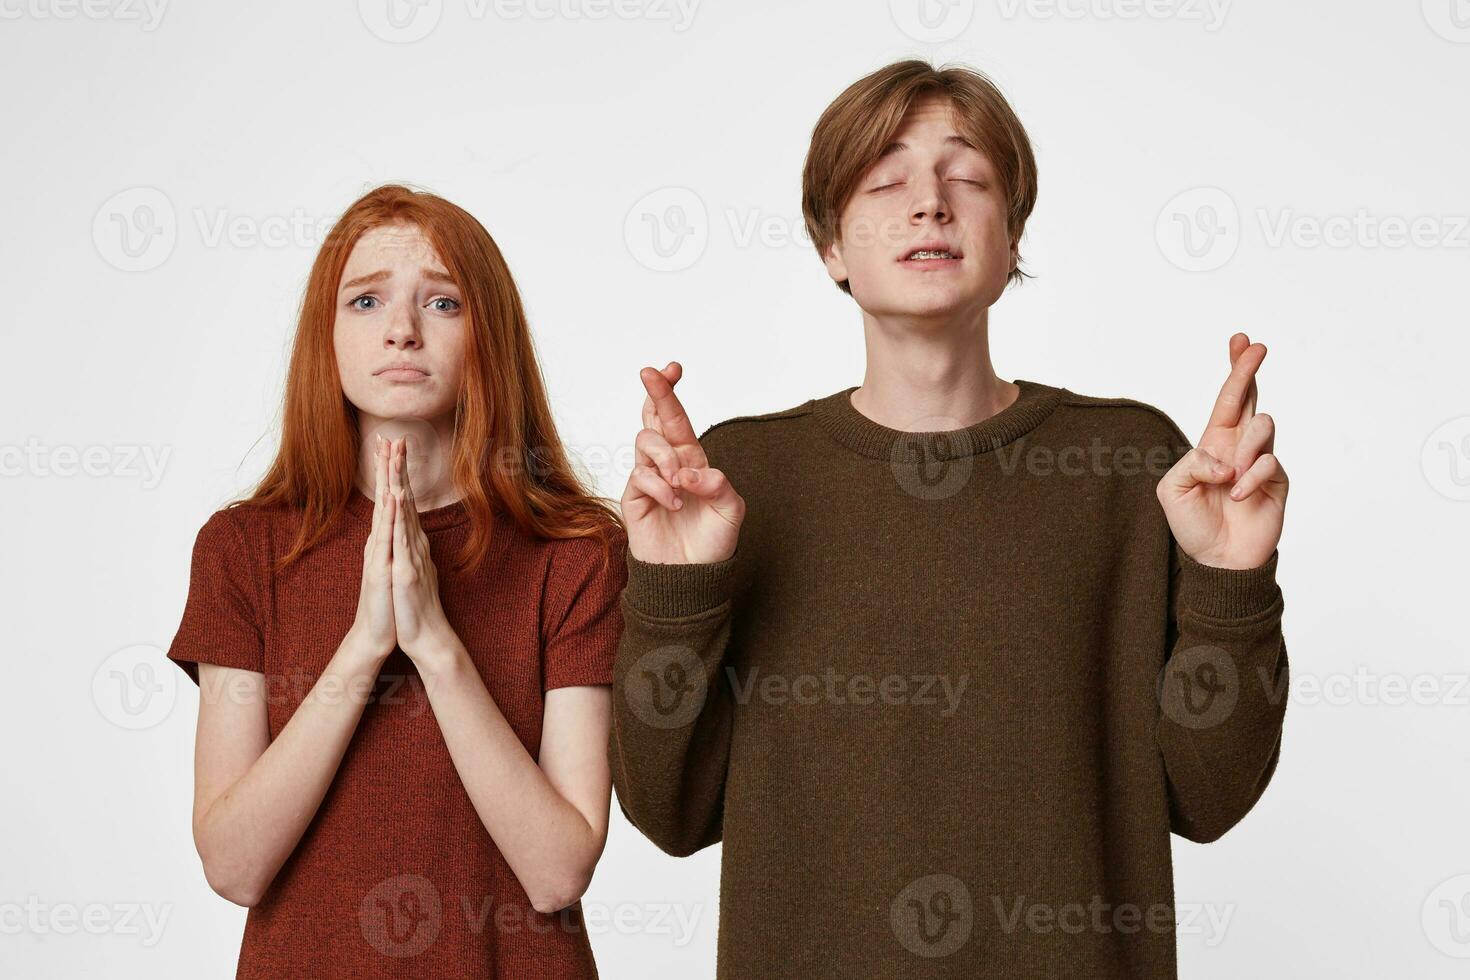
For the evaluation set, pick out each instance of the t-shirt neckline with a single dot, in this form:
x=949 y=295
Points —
x=360 y=506
x=851 y=428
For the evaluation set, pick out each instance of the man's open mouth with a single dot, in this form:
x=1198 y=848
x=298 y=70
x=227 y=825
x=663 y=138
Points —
x=931 y=254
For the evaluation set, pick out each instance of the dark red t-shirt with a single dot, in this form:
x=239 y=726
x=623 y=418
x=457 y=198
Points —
x=395 y=875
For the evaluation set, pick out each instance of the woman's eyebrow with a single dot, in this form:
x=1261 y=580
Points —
x=432 y=274
x=364 y=280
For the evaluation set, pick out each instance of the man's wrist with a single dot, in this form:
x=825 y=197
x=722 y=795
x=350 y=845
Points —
x=664 y=590
x=1228 y=593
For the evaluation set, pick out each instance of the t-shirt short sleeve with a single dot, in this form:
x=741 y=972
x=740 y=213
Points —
x=584 y=620
x=220 y=624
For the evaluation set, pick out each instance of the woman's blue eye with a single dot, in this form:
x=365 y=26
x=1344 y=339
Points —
x=453 y=304
x=361 y=299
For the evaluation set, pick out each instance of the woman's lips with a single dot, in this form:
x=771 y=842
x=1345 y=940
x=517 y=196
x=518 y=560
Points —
x=402 y=374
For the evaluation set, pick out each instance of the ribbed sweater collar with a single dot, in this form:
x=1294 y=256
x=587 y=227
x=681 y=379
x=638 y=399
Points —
x=851 y=428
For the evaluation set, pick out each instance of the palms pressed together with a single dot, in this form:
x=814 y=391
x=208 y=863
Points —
x=398 y=602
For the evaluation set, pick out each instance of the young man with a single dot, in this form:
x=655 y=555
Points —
x=943 y=659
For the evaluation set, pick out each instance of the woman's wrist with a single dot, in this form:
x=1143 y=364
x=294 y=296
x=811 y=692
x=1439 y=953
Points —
x=437 y=655
x=362 y=651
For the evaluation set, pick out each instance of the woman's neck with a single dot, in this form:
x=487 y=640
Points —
x=430 y=447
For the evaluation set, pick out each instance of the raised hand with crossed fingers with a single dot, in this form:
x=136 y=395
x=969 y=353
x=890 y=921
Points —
x=1225 y=498
x=678 y=509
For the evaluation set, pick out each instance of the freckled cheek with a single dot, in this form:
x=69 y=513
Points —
x=450 y=362
x=350 y=363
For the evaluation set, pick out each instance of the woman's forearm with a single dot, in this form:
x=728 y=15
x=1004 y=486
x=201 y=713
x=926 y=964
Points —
x=248 y=830
x=546 y=840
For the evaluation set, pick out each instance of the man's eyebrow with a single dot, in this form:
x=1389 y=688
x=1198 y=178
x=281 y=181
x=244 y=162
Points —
x=381 y=274
x=898 y=146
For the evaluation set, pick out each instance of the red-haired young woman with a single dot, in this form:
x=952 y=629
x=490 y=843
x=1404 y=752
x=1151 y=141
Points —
x=404 y=637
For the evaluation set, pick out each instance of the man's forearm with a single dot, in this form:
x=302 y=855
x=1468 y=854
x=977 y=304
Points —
x=672 y=713
x=1223 y=696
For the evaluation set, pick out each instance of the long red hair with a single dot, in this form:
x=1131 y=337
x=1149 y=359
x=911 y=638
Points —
x=502 y=416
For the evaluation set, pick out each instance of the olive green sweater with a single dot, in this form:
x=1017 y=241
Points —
x=949 y=697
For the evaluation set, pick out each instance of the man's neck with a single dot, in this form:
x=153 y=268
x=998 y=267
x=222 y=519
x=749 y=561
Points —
x=927 y=376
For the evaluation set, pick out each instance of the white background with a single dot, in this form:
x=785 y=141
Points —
x=233 y=134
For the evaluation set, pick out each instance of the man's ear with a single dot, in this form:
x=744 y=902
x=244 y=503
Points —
x=832 y=259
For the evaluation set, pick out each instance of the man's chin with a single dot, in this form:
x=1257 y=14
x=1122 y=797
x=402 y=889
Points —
x=922 y=303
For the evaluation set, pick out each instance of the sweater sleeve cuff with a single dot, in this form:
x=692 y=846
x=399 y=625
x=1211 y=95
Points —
x=672 y=591
x=1227 y=593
